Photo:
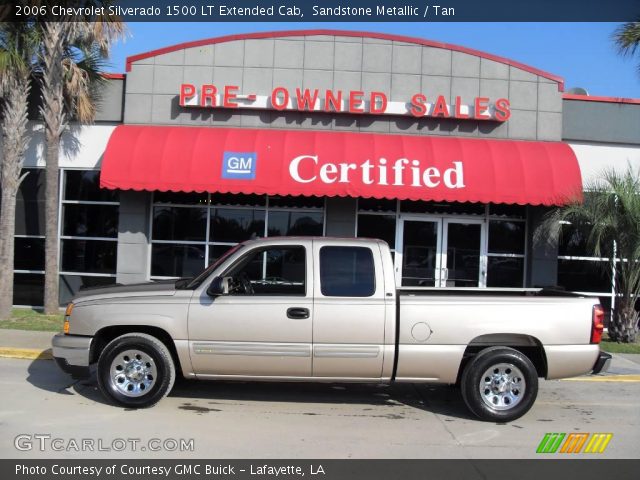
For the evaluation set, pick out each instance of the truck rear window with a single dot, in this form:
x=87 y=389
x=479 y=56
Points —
x=347 y=272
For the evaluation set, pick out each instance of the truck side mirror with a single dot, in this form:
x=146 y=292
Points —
x=219 y=286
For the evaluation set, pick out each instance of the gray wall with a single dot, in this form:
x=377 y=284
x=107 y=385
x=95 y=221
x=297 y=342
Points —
x=111 y=104
x=133 y=237
x=350 y=63
x=601 y=122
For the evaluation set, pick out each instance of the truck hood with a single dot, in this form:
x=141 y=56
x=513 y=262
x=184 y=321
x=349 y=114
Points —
x=146 y=289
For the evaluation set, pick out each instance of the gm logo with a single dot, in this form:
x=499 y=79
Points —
x=239 y=165
x=574 y=443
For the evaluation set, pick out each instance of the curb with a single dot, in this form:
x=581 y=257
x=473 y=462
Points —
x=604 y=378
x=26 y=353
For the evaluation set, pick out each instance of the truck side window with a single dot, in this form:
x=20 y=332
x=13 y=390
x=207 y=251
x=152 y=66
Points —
x=347 y=272
x=270 y=271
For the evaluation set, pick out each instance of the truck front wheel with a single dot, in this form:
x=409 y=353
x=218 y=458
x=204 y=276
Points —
x=135 y=370
x=499 y=384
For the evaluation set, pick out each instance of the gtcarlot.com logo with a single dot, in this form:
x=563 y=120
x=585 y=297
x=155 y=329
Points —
x=574 y=443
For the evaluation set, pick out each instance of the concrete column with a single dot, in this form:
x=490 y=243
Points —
x=340 y=216
x=542 y=261
x=133 y=237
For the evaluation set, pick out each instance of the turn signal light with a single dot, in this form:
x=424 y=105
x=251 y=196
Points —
x=597 y=325
x=67 y=314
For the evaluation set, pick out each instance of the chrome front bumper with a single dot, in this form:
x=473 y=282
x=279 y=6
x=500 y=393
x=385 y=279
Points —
x=71 y=353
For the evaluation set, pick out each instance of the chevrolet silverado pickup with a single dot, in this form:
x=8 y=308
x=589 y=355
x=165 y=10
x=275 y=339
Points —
x=328 y=310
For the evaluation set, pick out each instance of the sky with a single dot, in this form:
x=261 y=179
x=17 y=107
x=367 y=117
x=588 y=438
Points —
x=584 y=54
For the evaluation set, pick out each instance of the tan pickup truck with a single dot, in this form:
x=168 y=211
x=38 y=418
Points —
x=328 y=310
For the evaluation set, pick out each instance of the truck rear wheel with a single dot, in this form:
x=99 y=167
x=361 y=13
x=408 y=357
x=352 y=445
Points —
x=499 y=384
x=136 y=370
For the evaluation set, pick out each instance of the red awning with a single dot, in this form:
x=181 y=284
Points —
x=285 y=162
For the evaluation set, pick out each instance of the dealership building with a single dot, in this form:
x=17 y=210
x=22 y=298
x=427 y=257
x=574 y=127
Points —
x=451 y=155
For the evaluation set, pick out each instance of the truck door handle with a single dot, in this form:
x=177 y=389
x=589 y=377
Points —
x=298 y=313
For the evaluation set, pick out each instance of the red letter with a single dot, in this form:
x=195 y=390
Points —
x=187 y=92
x=418 y=105
x=332 y=102
x=208 y=92
x=276 y=102
x=459 y=113
x=229 y=96
x=440 y=109
x=305 y=101
x=503 y=109
x=355 y=101
x=480 y=108
x=383 y=102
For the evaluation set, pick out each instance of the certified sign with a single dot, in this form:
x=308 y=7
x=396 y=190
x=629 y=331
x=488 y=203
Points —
x=239 y=165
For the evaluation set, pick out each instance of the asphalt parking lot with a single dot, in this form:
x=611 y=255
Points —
x=278 y=420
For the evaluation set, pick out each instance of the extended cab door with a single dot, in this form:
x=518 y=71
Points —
x=263 y=326
x=349 y=310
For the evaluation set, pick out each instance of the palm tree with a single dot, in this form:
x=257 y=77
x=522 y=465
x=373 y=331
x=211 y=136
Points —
x=611 y=211
x=17 y=47
x=627 y=38
x=71 y=56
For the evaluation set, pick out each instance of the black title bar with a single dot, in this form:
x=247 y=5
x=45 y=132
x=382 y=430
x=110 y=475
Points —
x=220 y=469
x=330 y=10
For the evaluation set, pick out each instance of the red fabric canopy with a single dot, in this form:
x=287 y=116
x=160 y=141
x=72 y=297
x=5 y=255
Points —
x=285 y=162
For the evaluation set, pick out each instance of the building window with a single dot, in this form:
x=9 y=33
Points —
x=579 y=270
x=191 y=230
x=28 y=282
x=377 y=218
x=88 y=233
x=505 y=253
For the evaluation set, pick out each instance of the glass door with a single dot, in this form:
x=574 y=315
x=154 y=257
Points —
x=418 y=258
x=463 y=253
x=440 y=252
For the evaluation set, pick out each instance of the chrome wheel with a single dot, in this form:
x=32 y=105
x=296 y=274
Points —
x=133 y=373
x=502 y=386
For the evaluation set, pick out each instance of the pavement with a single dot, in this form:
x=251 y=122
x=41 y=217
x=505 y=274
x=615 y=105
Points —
x=301 y=420
x=298 y=420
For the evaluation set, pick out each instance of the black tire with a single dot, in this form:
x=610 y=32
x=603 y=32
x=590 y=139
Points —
x=143 y=380
x=513 y=372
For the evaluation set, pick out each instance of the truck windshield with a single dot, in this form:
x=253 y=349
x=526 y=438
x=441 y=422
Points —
x=194 y=282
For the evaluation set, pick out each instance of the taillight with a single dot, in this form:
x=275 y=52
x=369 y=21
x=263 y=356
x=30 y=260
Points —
x=597 y=324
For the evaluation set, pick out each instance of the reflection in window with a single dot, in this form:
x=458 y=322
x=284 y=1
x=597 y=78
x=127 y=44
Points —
x=179 y=223
x=90 y=220
x=171 y=260
x=85 y=185
x=584 y=275
x=236 y=224
x=378 y=226
x=295 y=223
x=505 y=272
x=90 y=256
